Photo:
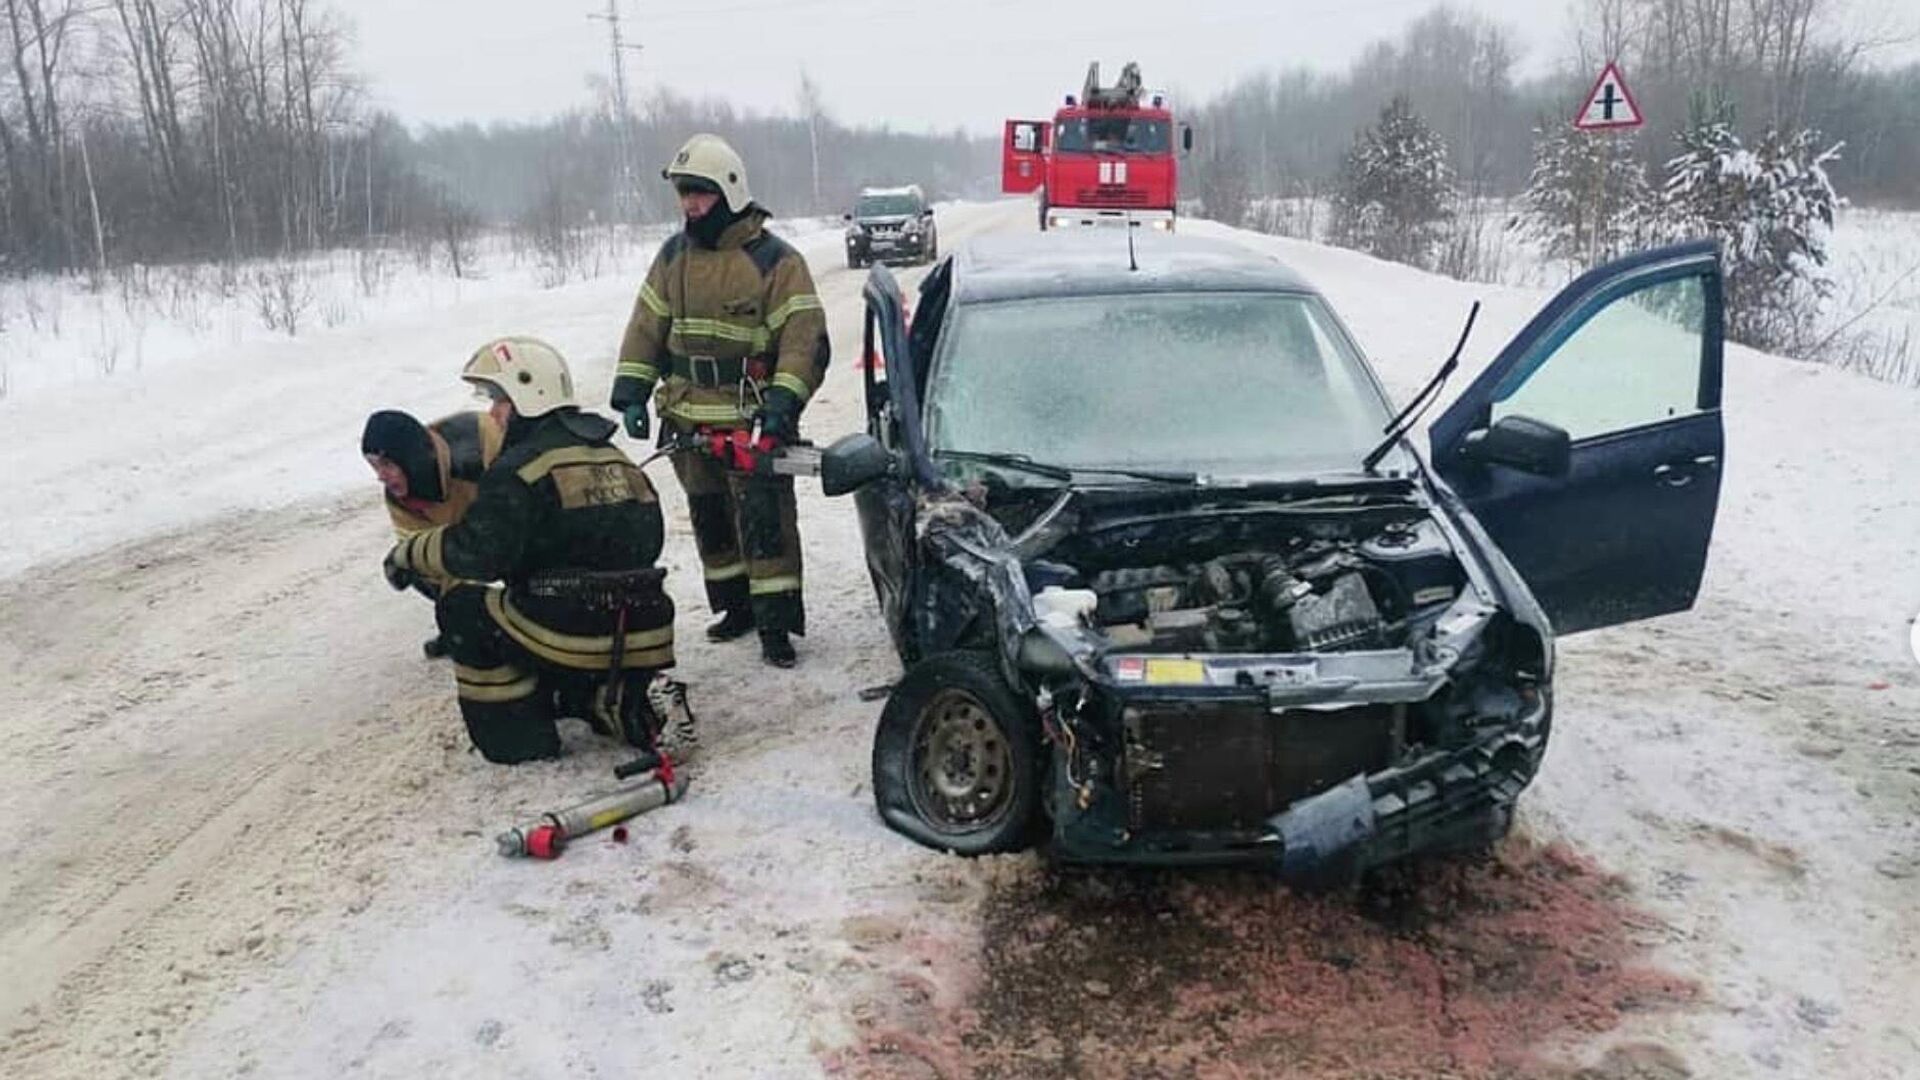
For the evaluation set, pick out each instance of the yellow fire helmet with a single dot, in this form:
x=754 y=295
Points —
x=710 y=158
x=531 y=373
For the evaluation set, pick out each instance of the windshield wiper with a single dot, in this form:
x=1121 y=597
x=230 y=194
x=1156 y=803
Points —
x=1065 y=473
x=1017 y=461
x=1310 y=487
x=1164 y=476
x=1409 y=416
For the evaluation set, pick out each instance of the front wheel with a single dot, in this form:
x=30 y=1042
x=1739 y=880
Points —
x=956 y=759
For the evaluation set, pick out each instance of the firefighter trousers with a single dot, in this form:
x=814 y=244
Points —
x=747 y=527
x=507 y=668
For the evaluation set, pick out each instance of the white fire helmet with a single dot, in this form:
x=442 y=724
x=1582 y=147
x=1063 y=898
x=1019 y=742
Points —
x=531 y=373
x=709 y=158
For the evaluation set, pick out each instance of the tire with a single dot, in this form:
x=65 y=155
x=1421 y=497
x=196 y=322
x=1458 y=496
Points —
x=956 y=758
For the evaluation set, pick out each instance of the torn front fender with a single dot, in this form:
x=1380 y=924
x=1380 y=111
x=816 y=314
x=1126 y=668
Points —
x=975 y=587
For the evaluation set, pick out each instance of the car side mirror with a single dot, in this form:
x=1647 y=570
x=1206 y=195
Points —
x=1186 y=139
x=853 y=462
x=1521 y=442
x=846 y=217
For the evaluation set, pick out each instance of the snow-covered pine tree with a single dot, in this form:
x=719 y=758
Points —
x=1588 y=199
x=1396 y=189
x=1771 y=207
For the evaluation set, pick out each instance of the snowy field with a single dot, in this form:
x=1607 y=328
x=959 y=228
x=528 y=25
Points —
x=252 y=403
x=1871 y=322
x=1875 y=310
x=247 y=838
x=56 y=332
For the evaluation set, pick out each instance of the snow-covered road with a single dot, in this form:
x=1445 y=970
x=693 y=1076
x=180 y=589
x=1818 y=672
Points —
x=247 y=839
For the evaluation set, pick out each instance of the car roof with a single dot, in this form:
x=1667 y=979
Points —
x=1094 y=262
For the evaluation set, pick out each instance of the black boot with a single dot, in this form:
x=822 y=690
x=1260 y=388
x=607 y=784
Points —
x=776 y=648
x=579 y=700
x=510 y=732
x=434 y=647
x=734 y=623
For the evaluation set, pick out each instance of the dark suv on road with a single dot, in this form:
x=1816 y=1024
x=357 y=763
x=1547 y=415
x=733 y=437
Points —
x=889 y=224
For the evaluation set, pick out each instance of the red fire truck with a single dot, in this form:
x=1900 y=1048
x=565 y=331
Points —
x=1108 y=157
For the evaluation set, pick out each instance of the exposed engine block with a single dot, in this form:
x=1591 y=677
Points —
x=1243 y=603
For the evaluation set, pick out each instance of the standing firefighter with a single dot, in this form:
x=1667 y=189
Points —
x=728 y=324
x=560 y=503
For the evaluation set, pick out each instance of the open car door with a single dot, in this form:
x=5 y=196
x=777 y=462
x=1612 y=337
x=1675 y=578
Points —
x=886 y=505
x=1021 y=146
x=1614 y=524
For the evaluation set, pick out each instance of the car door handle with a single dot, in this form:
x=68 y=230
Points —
x=1672 y=476
x=1706 y=461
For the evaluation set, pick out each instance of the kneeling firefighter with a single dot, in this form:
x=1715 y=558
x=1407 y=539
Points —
x=560 y=503
x=728 y=325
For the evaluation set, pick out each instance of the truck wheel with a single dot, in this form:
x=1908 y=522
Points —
x=956 y=758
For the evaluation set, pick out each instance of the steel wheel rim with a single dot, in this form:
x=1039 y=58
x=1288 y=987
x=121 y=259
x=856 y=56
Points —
x=961 y=766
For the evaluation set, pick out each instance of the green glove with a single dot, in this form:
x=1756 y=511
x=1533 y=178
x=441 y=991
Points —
x=636 y=417
x=779 y=415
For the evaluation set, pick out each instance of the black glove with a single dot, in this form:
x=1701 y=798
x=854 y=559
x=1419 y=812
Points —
x=779 y=415
x=398 y=576
x=636 y=417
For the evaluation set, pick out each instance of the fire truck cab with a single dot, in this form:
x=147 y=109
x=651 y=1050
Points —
x=1108 y=157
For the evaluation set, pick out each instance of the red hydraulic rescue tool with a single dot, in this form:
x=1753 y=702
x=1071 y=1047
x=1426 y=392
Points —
x=749 y=451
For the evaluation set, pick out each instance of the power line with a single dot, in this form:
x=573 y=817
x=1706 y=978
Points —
x=877 y=9
x=629 y=196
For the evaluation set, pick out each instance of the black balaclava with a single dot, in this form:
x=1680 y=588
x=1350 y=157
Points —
x=706 y=230
x=401 y=439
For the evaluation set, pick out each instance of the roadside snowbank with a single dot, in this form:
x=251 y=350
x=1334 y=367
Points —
x=223 y=415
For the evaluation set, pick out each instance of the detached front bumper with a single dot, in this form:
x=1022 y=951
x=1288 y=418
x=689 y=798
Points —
x=1318 y=796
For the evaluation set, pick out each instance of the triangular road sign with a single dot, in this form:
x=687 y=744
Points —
x=1609 y=104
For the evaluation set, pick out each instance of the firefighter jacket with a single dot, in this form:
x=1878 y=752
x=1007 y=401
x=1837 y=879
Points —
x=559 y=499
x=707 y=318
x=464 y=444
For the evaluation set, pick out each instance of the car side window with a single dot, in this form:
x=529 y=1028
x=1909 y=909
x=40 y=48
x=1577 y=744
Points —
x=1634 y=361
x=924 y=330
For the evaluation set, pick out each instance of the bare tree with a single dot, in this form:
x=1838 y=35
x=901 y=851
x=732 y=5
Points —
x=149 y=39
x=37 y=36
x=813 y=111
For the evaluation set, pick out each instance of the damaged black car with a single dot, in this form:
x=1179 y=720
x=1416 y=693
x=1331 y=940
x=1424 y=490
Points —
x=1171 y=584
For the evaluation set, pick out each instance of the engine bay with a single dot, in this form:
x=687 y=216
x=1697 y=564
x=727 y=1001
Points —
x=1301 y=593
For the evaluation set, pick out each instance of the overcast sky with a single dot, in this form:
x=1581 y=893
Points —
x=913 y=63
x=916 y=64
